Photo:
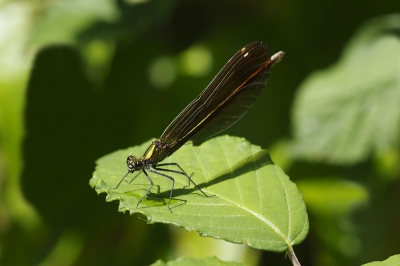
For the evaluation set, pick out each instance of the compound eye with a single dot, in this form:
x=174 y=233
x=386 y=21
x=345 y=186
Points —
x=130 y=160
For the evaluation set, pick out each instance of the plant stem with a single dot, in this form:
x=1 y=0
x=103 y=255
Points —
x=293 y=258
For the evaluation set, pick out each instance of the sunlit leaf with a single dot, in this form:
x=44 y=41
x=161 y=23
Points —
x=254 y=203
x=392 y=261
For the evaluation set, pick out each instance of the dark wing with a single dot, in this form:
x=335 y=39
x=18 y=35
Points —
x=225 y=100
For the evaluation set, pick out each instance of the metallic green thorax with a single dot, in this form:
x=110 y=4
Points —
x=155 y=153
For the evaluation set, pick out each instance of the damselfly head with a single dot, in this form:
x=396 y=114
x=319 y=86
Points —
x=133 y=164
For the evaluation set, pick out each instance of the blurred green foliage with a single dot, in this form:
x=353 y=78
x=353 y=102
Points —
x=357 y=110
x=76 y=83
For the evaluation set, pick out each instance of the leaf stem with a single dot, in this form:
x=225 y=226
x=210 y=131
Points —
x=292 y=257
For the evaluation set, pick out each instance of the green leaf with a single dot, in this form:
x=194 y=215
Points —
x=343 y=113
x=210 y=261
x=392 y=261
x=254 y=202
